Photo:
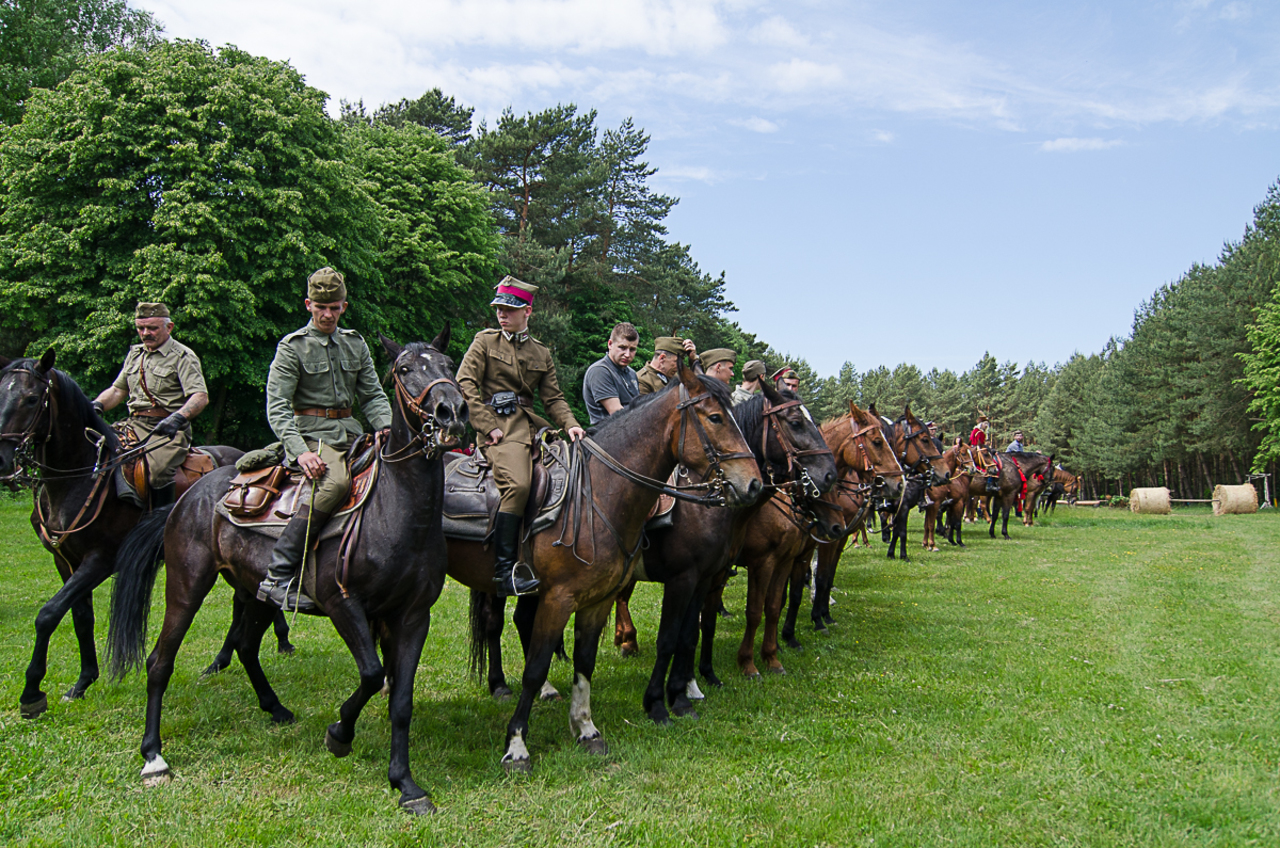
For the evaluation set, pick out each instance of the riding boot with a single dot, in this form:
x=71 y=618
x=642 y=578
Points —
x=993 y=485
x=282 y=584
x=510 y=577
x=163 y=495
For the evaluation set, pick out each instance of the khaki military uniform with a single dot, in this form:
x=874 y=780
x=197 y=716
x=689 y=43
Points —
x=496 y=363
x=651 y=380
x=315 y=380
x=159 y=382
x=740 y=394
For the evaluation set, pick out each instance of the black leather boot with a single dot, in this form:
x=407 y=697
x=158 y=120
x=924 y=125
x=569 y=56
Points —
x=163 y=495
x=507 y=578
x=282 y=584
x=993 y=485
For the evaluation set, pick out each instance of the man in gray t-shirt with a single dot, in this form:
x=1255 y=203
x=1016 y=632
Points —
x=609 y=383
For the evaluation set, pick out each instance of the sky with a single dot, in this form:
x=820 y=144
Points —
x=881 y=182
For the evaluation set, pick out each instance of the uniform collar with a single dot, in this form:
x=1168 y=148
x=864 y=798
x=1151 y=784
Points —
x=315 y=332
x=518 y=338
x=163 y=350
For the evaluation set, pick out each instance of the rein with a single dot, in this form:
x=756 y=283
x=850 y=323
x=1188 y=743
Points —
x=427 y=442
x=772 y=415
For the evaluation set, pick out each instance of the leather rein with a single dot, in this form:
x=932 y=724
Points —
x=427 y=442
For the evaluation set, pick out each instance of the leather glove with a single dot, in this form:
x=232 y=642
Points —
x=171 y=425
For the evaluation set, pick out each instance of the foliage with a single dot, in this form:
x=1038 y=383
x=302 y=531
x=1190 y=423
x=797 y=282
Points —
x=433 y=110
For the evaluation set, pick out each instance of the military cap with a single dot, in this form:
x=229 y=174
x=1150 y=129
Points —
x=784 y=371
x=150 y=310
x=719 y=354
x=753 y=370
x=668 y=344
x=327 y=286
x=513 y=292
x=981 y=418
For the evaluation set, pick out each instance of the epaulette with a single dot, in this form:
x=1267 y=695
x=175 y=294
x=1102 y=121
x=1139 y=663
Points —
x=295 y=334
x=347 y=332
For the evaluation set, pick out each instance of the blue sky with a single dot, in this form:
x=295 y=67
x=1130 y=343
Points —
x=881 y=182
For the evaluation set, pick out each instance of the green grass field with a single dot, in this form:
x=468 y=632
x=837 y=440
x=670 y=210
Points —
x=1104 y=679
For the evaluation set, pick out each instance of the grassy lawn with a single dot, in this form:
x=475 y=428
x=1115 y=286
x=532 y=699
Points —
x=1104 y=679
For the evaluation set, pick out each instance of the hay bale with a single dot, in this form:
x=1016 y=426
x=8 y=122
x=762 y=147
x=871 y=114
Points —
x=1235 y=500
x=1150 y=501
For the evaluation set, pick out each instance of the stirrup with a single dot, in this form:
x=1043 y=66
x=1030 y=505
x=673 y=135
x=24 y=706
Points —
x=531 y=583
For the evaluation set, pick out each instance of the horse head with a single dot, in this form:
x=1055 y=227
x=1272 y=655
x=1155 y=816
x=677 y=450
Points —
x=794 y=444
x=426 y=390
x=725 y=454
x=870 y=451
x=917 y=448
x=26 y=392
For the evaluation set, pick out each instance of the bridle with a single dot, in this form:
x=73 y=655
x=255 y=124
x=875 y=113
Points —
x=428 y=441
x=48 y=404
x=806 y=488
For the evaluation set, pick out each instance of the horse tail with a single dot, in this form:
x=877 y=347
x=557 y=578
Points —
x=479 y=633
x=137 y=562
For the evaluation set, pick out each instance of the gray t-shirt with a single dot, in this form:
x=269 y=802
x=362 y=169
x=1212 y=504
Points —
x=605 y=380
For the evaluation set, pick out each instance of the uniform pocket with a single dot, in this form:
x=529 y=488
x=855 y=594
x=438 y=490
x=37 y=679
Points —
x=351 y=365
x=502 y=356
x=315 y=366
x=159 y=370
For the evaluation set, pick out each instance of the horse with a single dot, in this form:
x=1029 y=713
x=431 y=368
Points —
x=869 y=473
x=376 y=584
x=948 y=500
x=1063 y=484
x=688 y=556
x=50 y=430
x=587 y=556
x=1020 y=473
x=921 y=455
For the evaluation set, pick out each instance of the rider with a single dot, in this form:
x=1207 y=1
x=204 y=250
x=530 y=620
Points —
x=319 y=372
x=609 y=383
x=752 y=373
x=978 y=436
x=654 y=375
x=162 y=379
x=1016 y=445
x=978 y=439
x=499 y=375
x=718 y=363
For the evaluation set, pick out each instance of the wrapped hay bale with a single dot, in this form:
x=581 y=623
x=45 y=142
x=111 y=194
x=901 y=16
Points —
x=1150 y=501
x=1235 y=500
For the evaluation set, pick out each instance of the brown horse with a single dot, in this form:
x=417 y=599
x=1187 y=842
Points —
x=1063 y=484
x=950 y=496
x=587 y=556
x=376 y=583
x=921 y=455
x=1020 y=474
x=688 y=556
x=870 y=475
x=49 y=430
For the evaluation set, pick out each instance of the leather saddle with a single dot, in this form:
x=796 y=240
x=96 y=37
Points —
x=471 y=495
x=196 y=465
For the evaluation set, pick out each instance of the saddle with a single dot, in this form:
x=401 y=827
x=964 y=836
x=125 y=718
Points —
x=135 y=471
x=471 y=495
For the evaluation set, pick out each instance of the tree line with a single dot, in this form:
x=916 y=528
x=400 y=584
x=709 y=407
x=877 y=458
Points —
x=132 y=168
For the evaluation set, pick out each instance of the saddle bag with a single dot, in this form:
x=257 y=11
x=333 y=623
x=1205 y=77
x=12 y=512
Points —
x=251 y=492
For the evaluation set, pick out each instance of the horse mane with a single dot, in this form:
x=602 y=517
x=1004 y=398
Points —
x=829 y=426
x=750 y=417
x=71 y=397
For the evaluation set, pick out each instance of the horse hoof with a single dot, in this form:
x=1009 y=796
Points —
x=594 y=745
x=285 y=649
x=751 y=675
x=72 y=695
x=156 y=773
x=685 y=712
x=281 y=715
x=152 y=781
x=660 y=718
x=418 y=806
x=513 y=766
x=337 y=748
x=550 y=694
x=213 y=669
x=501 y=693
x=794 y=644
x=778 y=670
x=629 y=650
x=34 y=708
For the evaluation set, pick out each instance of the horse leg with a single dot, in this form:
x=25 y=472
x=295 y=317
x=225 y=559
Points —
x=773 y=602
x=82 y=621
x=545 y=630
x=823 y=580
x=675 y=598
x=524 y=617
x=707 y=619
x=281 y=624
x=493 y=610
x=759 y=577
x=588 y=624
x=624 y=629
x=78 y=586
x=402 y=647
x=799 y=571
x=223 y=659
x=353 y=626
x=257 y=618
x=682 y=687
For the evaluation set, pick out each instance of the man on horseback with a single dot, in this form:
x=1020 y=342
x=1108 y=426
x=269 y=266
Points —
x=718 y=363
x=319 y=372
x=1016 y=445
x=163 y=381
x=609 y=384
x=499 y=376
x=653 y=376
x=978 y=439
x=752 y=373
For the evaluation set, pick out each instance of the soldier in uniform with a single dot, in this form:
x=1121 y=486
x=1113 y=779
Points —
x=318 y=374
x=718 y=363
x=666 y=356
x=162 y=379
x=500 y=374
x=752 y=373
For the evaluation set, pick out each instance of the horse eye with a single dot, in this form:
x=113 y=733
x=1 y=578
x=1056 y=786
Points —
x=796 y=425
x=715 y=418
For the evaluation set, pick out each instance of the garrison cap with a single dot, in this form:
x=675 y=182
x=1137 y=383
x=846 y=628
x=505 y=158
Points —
x=150 y=310
x=326 y=286
x=513 y=292
x=719 y=354
x=753 y=370
x=668 y=344
x=784 y=371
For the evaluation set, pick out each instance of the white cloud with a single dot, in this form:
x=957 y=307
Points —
x=882 y=136
x=777 y=32
x=1076 y=145
x=755 y=124
x=800 y=75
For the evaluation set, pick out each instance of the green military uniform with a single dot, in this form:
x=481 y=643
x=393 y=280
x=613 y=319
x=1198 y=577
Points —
x=651 y=380
x=498 y=362
x=159 y=382
x=314 y=381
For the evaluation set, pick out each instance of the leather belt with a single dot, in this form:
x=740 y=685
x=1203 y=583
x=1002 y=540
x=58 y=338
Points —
x=321 y=412
x=520 y=399
x=153 y=412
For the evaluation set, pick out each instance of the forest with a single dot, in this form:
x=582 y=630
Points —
x=134 y=167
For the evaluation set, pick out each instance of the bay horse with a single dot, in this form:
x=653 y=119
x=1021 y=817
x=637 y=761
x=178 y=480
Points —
x=50 y=432
x=1020 y=474
x=377 y=590
x=921 y=455
x=948 y=500
x=585 y=558
x=689 y=556
x=869 y=474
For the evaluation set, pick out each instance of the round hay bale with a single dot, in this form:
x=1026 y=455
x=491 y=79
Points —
x=1235 y=500
x=1150 y=501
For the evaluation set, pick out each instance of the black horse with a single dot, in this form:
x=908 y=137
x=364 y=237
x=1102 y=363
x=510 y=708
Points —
x=921 y=456
x=378 y=591
x=51 y=437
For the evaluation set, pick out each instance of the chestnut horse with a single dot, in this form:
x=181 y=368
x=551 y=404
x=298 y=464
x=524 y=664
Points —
x=587 y=556
x=376 y=584
x=50 y=431
x=949 y=499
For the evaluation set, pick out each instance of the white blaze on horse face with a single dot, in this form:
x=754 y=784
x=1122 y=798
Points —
x=580 y=710
x=516 y=750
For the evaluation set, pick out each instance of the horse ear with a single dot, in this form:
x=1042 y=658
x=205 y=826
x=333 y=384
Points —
x=872 y=409
x=441 y=342
x=393 y=350
x=688 y=376
x=906 y=410
x=771 y=393
x=46 y=361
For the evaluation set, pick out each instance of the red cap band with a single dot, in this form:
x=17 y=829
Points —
x=518 y=293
